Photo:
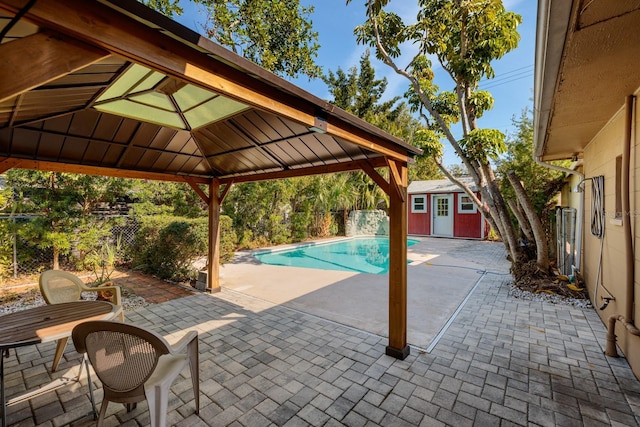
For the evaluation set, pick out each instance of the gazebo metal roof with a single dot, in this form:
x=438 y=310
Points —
x=114 y=88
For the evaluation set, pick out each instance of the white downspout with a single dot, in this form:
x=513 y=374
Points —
x=580 y=217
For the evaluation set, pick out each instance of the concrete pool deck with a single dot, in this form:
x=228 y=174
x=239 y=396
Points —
x=440 y=276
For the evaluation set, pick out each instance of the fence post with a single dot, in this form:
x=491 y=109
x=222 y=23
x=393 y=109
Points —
x=15 y=251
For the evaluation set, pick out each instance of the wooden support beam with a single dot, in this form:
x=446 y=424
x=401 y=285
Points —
x=8 y=163
x=198 y=190
x=376 y=177
x=213 y=266
x=104 y=171
x=353 y=135
x=40 y=58
x=394 y=171
x=225 y=191
x=398 y=346
x=312 y=170
x=97 y=24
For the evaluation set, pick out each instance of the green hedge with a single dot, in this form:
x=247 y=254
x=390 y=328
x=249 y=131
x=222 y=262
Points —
x=166 y=246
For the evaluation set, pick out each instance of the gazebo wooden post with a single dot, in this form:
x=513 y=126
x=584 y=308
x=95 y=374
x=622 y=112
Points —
x=398 y=181
x=213 y=265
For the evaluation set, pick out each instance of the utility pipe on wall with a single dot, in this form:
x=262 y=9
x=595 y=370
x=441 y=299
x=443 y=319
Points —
x=627 y=318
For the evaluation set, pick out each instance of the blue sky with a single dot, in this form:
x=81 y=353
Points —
x=334 y=21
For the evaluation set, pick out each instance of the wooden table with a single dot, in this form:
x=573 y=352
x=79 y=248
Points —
x=45 y=324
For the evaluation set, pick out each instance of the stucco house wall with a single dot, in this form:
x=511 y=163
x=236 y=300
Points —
x=600 y=159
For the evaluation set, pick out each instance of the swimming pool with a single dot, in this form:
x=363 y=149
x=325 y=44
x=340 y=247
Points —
x=360 y=255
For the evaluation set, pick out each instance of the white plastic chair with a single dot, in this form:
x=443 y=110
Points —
x=58 y=286
x=135 y=364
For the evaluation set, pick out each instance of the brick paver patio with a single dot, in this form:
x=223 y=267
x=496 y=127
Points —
x=503 y=361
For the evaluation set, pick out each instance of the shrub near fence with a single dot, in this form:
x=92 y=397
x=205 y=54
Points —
x=19 y=256
x=6 y=249
x=165 y=246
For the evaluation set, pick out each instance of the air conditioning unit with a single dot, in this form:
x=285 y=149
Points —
x=565 y=239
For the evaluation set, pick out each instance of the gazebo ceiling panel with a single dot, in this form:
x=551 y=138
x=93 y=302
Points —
x=245 y=163
x=163 y=138
x=73 y=148
x=95 y=153
x=222 y=138
x=98 y=74
x=289 y=154
x=21 y=29
x=125 y=130
x=295 y=151
x=352 y=150
x=30 y=142
x=6 y=112
x=46 y=103
x=256 y=158
x=52 y=148
x=59 y=125
x=252 y=158
x=194 y=166
x=144 y=136
x=183 y=141
x=67 y=94
x=108 y=127
x=83 y=123
x=145 y=160
x=263 y=127
x=153 y=160
x=5 y=140
x=113 y=154
x=325 y=147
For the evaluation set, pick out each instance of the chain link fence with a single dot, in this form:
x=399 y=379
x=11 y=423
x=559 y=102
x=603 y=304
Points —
x=20 y=257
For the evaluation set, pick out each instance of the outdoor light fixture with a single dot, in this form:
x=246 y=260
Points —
x=319 y=124
x=144 y=94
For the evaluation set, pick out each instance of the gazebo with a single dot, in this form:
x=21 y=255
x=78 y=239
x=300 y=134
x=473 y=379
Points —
x=114 y=88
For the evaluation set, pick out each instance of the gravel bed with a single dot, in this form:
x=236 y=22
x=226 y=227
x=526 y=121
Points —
x=550 y=298
x=33 y=298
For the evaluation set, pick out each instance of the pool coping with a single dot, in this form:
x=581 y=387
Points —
x=290 y=246
x=255 y=253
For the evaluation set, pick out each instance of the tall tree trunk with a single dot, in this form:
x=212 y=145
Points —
x=522 y=220
x=542 y=251
x=508 y=228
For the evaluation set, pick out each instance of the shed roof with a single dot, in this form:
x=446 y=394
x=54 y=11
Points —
x=115 y=88
x=439 y=186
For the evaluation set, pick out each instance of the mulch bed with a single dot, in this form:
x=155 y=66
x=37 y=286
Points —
x=529 y=277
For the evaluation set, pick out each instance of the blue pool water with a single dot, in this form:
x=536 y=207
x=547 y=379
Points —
x=360 y=255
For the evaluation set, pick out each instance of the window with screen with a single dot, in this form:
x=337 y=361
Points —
x=418 y=204
x=465 y=204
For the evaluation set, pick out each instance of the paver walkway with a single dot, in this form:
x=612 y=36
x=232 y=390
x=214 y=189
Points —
x=503 y=361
